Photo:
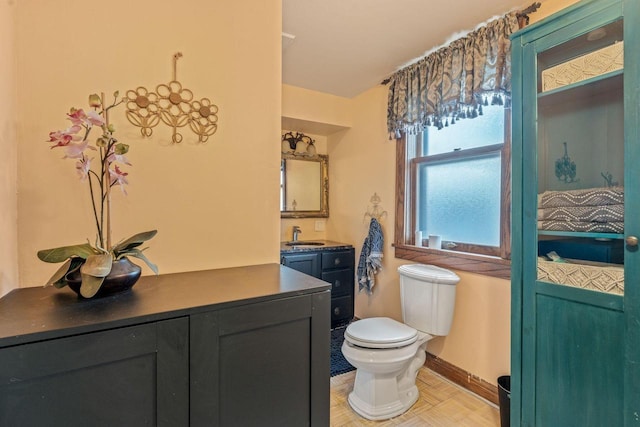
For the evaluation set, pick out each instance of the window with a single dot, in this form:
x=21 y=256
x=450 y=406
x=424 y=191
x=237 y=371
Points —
x=455 y=183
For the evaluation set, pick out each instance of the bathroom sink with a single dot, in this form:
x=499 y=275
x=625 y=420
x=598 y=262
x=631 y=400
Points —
x=303 y=243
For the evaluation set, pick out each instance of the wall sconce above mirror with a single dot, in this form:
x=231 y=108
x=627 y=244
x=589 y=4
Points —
x=298 y=144
x=304 y=186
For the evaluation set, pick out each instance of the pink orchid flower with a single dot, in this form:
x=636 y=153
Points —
x=80 y=118
x=117 y=176
x=83 y=166
x=62 y=138
x=76 y=151
x=95 y=118
x=119 y=158
x=77 y=117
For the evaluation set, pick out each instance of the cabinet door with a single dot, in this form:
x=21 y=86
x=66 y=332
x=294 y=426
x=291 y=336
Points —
x=308 y=263
x=575 y=297
x=264 y=364
x=133 y=376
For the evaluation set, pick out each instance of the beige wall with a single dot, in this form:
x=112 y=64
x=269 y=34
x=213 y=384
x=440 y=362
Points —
x=9 y=150
x=308 y=105
x=207 y=201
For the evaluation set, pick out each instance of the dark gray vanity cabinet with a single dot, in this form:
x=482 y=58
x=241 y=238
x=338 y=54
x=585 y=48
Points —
x=133 y=376
x=246 y=346
x=334 y=263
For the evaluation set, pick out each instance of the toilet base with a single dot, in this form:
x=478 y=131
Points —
x=384 y=395
x=405 y=400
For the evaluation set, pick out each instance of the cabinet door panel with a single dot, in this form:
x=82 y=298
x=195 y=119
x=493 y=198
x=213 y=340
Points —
x=579 y=376
x=262 y=364
x=256 y=371
x=308 y=263
x=100 y=379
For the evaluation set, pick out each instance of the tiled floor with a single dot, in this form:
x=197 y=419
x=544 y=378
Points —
x=441 y=404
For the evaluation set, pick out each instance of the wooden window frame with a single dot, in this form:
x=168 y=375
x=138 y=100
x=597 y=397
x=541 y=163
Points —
x=495 y=262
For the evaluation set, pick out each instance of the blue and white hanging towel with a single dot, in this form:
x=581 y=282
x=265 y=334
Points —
x=371 y=257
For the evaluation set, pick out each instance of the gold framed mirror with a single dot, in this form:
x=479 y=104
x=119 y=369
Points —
x=304 y=186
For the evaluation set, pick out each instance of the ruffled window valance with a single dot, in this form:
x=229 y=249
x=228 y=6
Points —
x=455 y=81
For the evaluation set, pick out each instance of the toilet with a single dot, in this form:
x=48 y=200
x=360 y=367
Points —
x=387 y=354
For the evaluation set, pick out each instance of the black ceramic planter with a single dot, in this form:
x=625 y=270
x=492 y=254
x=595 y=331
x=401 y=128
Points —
x=124 y=274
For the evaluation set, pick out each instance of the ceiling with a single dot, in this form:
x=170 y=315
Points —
x=344 y=47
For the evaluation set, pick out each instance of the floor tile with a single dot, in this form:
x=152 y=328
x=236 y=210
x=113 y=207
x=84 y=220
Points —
x=441 y=404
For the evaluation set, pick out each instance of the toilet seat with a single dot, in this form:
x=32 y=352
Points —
x=380 y=332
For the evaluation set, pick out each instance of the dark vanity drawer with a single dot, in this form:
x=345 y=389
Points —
x=341 y=281
x=337 y=259
x=341 y=310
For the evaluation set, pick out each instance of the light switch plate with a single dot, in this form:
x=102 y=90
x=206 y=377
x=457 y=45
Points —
x=319 y=226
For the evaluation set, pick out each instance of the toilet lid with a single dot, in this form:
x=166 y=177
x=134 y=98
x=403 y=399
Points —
x=380 y=332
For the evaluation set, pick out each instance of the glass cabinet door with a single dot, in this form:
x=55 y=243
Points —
x=580 y=161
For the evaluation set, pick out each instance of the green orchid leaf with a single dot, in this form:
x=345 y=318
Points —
x=98 y=265
x=133 y=241
x=93 y=272
x=74 y=264
x=90 y=285
x=65 y=252
x=138 y=254
x=58 y=276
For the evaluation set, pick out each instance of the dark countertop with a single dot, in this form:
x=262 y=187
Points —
x=328 y=246
x=34 y=314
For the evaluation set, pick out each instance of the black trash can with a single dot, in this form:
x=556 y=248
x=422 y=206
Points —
x=504 y=398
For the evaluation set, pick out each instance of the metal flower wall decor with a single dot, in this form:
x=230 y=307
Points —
x=174 y=106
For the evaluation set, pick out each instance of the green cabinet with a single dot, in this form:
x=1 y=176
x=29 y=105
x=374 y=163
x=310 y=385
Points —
x=575 y=259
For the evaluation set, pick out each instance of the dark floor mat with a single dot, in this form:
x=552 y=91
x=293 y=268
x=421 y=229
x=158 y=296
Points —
x=339 y=364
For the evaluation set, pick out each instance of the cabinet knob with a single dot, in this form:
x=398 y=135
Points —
x=337 y=261
x=631 y=241
x=336 y=311
x=337 y=284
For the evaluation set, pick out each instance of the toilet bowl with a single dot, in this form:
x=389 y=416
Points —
x=387 y=354
x=385 y=383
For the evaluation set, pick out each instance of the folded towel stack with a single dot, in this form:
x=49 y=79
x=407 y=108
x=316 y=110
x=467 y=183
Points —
x=589 y=210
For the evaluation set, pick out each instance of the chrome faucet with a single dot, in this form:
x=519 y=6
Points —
x=296 y=231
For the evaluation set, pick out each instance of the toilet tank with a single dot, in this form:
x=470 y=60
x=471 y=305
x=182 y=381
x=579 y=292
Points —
x=428 y=295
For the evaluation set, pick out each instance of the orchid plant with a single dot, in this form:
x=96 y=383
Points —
x=95 y=261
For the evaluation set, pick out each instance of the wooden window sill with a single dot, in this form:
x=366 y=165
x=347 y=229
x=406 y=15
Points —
x=463 y=261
